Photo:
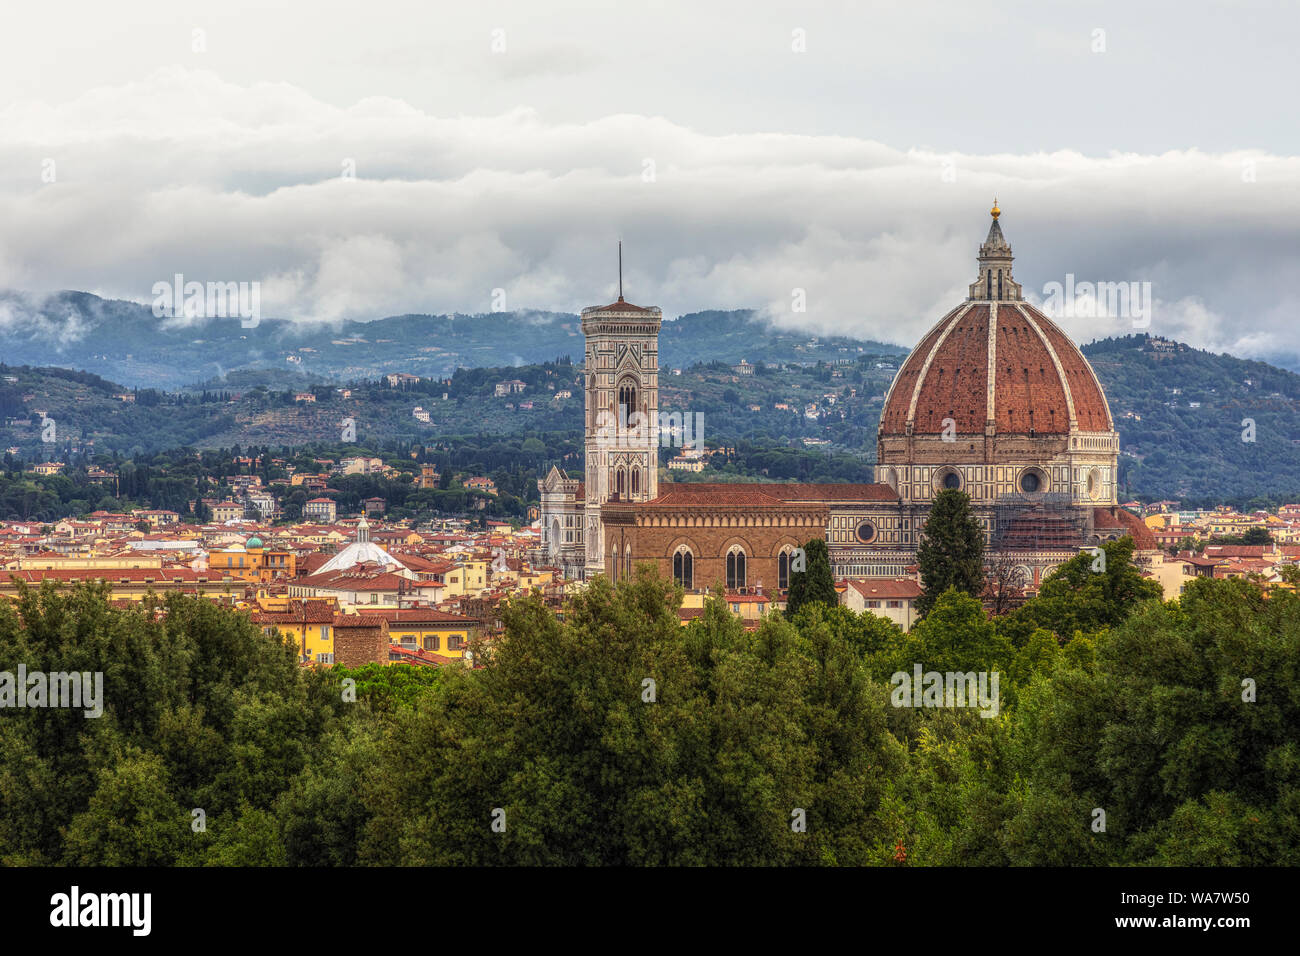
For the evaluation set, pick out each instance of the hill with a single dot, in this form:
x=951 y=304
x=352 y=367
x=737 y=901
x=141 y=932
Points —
x=126 y=342
x=1186 y=417
x=1199 y=426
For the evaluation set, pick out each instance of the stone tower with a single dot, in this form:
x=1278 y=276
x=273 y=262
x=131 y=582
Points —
x=622 y=421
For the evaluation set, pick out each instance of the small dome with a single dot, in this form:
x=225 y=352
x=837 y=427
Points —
x=253 y=542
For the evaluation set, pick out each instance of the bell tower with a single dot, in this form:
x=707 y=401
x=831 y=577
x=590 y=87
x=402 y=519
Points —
x=621 y=382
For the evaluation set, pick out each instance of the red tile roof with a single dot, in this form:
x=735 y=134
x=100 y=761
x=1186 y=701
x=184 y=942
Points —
x=1126 y=522
x=416 y=615
x=619 y=306
x=305 y=611
x=891 y=588
x=947 y=374
x=751 y=494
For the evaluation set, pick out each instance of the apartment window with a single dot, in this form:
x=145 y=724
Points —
x=323 y=658
x=433 y=643
x=455 y=642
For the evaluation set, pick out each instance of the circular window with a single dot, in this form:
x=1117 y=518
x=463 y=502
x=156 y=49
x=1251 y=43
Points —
x=952 y=480
x=866 y=532
x=1032 y=481
x=1094 y=483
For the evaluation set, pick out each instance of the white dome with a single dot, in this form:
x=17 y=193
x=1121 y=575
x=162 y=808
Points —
x=358 y=552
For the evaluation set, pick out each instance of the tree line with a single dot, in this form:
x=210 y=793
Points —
x=1128 y=731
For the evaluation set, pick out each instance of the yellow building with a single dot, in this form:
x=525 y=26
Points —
x=125 y=584
x=239 y=562
x=63 y=562
x=435 y=631
x=277 y=563
x=535 y=579
x=468 y=577
x=308 y=623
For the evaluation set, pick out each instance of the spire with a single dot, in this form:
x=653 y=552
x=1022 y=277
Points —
x=620 y=270
x=995 y=282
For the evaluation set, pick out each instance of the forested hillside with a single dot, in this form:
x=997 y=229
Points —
x=1194 y=426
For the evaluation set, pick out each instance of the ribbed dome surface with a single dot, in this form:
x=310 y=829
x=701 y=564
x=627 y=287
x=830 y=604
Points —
x=1004 y=362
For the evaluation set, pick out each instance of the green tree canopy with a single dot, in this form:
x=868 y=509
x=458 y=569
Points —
x=815 y=584
x=951 y=553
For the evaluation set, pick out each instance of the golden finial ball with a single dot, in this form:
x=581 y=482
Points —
x=995 y=211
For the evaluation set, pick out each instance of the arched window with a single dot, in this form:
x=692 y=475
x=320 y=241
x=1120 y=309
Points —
x=783 y=570
x=626 y=401
x=627 y=562
x=735 y=569
x=618 y=482
x=636 y=480
x=684 y=568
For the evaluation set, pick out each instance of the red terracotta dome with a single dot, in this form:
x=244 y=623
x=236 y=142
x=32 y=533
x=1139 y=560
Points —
x=996 y=359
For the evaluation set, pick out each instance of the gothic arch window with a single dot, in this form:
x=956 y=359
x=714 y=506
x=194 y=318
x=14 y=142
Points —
x=783 y=562
x=636 y=480
x=735 y=568
x=684 y=567
x=619 y=480
x=626 y=400
x=627 y=561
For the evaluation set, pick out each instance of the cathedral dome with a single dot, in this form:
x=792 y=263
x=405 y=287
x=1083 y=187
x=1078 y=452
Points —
x=996 y=361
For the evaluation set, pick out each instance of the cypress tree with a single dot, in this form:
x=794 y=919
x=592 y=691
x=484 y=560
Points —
x=951 y=555
x=815 y=583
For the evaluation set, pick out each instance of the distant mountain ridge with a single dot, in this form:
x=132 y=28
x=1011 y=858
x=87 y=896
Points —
x=1193 y=425
x=125 y=342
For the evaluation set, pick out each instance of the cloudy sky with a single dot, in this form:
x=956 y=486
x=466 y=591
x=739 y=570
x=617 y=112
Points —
x=362 y=160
